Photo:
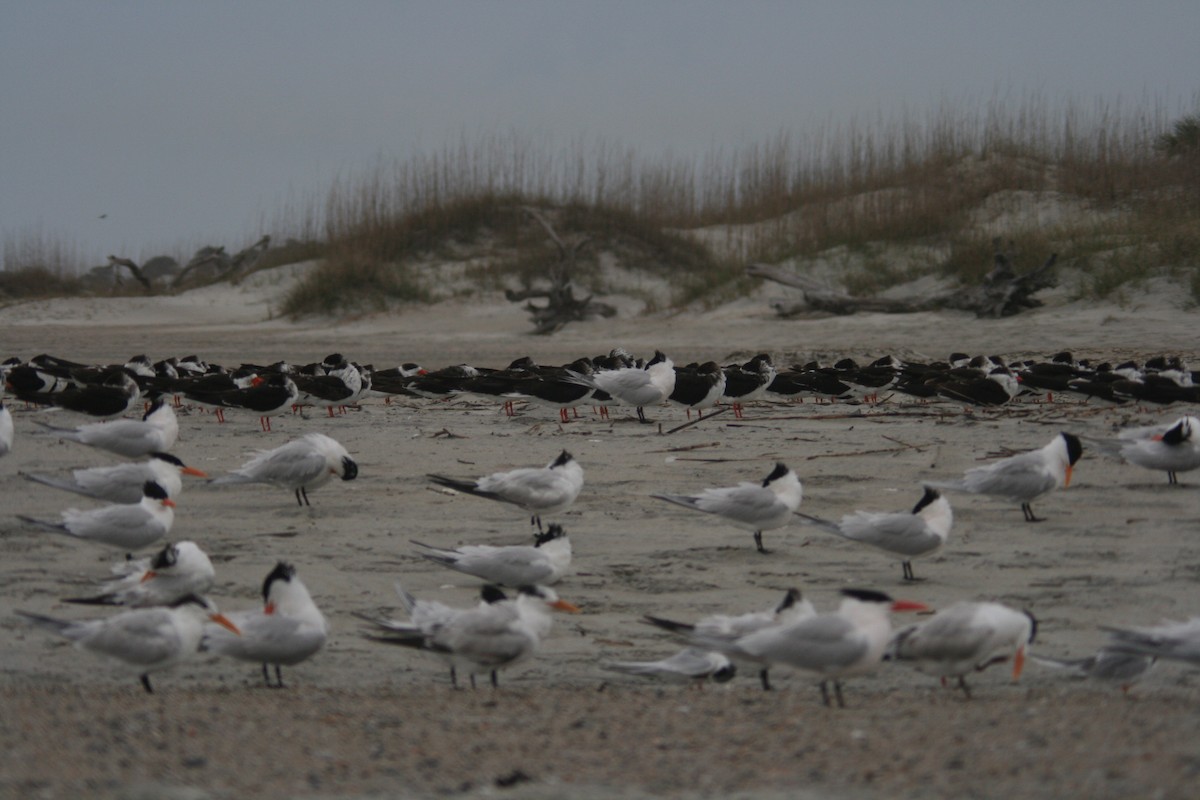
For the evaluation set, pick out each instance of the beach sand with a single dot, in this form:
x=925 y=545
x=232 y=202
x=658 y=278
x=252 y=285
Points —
x=1119 y=547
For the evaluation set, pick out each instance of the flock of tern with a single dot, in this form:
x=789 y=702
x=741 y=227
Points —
x=168 y=617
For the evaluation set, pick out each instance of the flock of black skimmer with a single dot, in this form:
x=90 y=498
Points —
x=168 y=618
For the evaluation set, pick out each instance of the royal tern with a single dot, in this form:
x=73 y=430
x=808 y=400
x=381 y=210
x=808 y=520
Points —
x=6 y=430
x=827 y=647
x=493 y=637
x=1177 y=641
x=912 y=535
x=288 y=629
x=754 y=507
x=426 y=617
x=129 y=526
x=691 y=665
x=171 y=574
x=1024 y=477
x=1106 y=664
x=145 y=639
x=545 y=562
x=730 y=628
x=155 y=432
x=122 y=483
x=635 y=386
x=1171 y=448
x=536 y=490
x=300 y=465
x=967 y=637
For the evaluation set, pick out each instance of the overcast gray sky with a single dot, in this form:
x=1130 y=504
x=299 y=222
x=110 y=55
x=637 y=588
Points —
x=189 y=122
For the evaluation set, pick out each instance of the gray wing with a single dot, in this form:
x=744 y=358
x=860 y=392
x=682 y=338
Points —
x=488 y=637
x=508 y=566
x=951 y=635
x=903 y=534
x=142 y=638
x=815 y=644
x=530 y=487
x=270 y=638
x=288 y=466
x=1019 y=478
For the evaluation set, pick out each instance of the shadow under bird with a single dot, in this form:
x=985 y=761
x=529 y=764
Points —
x=536 y=490
x=287 y=630
x=129 y=526
x=964 y=638
x=145 y=639
x=1024 y=477
x=545 y=562
x=171 y=574
x=122 y=483
x=907 y=536
x=300 y=465
x=751 y=506
x=155 y=432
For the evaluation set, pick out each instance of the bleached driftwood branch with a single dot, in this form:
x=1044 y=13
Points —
x=1001 y=294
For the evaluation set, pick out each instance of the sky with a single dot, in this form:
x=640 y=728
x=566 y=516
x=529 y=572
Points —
x=136 y=128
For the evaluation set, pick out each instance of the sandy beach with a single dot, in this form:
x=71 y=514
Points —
x=1119 y=547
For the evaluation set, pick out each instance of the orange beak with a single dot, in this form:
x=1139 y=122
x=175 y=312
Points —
x=269 y=609
x=1018 y=662
x=224 y=622
x=1067 y=482
x=563 y=605
x=169 y=502
x=194 y=472
x=149 y=575
x=909 y=605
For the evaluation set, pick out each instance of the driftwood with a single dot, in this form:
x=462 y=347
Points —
x=562 y=306
x=134 y=270
x=228 y=266
x=1001 y=294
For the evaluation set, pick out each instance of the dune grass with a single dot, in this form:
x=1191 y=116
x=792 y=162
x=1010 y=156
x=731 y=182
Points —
x=942 y=185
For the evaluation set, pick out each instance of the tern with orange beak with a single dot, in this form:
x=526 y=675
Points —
x=965 y=638
x=1024 y=477
x=171 y=574
x=287 y=630
x=129 y=526
x=827 y=647
x=122 y=483
x=144 y=639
